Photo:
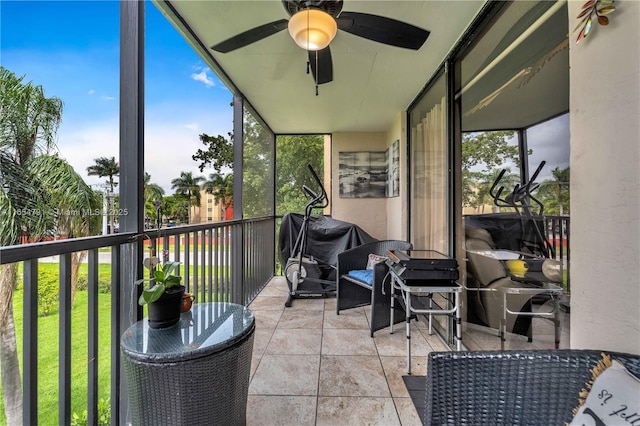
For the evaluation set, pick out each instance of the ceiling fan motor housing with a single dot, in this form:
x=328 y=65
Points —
x=332 y=7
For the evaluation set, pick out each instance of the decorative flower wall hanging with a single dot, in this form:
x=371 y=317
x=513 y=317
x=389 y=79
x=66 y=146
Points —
x=600 y=8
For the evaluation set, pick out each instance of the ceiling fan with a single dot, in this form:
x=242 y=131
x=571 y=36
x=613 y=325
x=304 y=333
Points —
x=314 y=23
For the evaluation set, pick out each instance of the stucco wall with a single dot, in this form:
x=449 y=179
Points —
x=397 y=206
x=371 y=214
x=605 y=183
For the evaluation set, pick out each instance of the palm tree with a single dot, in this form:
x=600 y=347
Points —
x=71 y=201
x=558 y=188
x=221 y=187
x=189 y=186
x=152 y=191
x=105 y=167
x=31 y=179
x=108 y=167
x=152 y=194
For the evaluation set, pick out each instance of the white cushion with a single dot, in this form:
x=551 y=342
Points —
x=614 y=399
x=374 y=259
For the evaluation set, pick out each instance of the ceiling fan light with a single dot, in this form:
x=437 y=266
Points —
x=312 y=29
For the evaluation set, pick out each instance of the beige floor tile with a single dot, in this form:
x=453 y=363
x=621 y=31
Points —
x=469 y=343
x=301 y=319
x=281 y=410
x=351 y=318
x=352 y=376
x=255 y=361
x=266 y=319
x=307 y=304
x=286 y=375
x=347 y=342
x=396 y=366
x=268 y=303
x=407 y=412
x=276 y=288
x=359 y=379
x=396 y=344
x=330 y=304
x=435 y=341
x=298 y=341
x=261 y=340
x=421 y=322
x=354 y=411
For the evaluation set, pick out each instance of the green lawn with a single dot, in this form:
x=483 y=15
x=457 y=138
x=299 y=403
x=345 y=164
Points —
x=48 y=352
x=48 y=343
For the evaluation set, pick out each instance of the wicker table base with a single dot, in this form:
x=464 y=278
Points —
x=193 y=382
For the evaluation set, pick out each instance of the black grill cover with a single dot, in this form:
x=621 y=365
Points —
x=511 y=231
x=326 y=238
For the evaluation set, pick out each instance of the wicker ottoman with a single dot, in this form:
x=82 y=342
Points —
x=193 y=373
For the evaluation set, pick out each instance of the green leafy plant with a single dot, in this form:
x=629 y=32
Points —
x=48 y=290
x=162 y=278
x=104 y=415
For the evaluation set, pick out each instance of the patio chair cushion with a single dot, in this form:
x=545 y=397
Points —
x=613 y=395
x=364 y=275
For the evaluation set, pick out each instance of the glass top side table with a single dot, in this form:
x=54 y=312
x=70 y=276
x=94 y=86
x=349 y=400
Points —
x=195 y=372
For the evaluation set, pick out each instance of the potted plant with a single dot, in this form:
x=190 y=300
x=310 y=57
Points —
x=164 y=296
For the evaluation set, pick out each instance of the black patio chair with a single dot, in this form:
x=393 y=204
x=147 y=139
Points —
x=352 y=292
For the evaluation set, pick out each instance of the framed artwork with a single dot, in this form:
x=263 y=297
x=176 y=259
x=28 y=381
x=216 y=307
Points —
x=362 y=174
x=393 y=173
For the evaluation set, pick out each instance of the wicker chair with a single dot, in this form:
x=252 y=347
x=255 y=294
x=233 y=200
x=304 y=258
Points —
x=352 y=293
x=536 y=387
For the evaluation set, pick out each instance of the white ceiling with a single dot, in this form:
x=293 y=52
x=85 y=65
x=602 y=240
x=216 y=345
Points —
x=371 y=83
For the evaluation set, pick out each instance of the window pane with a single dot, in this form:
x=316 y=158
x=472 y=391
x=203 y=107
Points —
x=485 y=155
x=78 y=72
x=257 y=184
x=549 y=142
x=185 y=105
x=293 y=153
x=514 y=76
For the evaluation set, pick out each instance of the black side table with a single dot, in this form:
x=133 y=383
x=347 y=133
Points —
x=193 y=373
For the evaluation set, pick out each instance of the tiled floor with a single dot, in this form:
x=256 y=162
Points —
x=313 y=367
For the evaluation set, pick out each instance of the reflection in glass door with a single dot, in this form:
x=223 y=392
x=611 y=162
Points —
x=429 y=170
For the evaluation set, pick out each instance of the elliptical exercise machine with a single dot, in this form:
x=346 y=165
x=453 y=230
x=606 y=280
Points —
x=520 y=200
x=303 y=272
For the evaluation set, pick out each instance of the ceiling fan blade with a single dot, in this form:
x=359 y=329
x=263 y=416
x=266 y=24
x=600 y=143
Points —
x=250 y=36
x=383 y=30
x=324 y=65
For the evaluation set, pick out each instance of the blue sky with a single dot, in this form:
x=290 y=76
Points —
x=72 y=49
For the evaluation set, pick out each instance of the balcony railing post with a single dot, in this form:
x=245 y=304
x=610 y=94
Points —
x=92 y=346
x=237 y=264
x=116 y=372
x=64 y=363
x=30 y=343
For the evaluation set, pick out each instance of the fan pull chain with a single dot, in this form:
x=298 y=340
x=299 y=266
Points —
x=317 y=72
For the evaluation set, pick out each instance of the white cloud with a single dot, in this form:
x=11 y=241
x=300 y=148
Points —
x=91 y=92
x=169 y=145
x=204 y=77
x=81 y=145
x=108 y=98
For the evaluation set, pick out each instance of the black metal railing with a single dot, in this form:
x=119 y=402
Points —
x=226 y=261
x=558 y=234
